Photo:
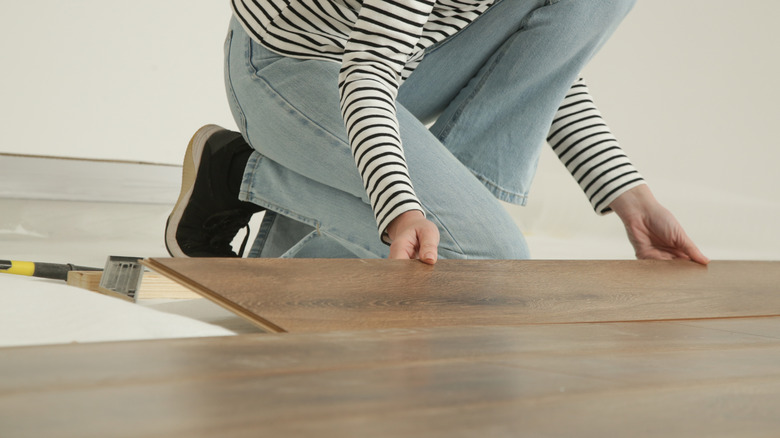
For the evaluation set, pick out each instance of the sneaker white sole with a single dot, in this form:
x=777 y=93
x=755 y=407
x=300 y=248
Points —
x=189 y=173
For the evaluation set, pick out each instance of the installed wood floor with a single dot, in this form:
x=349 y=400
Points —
x=715 y=378
x=521 y=349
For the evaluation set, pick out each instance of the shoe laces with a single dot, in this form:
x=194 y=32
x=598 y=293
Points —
x=221 y=228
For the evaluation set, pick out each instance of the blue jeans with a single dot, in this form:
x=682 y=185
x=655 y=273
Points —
x=473 y=118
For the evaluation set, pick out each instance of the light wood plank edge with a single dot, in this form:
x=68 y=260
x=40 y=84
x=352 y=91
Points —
x=157 y=286
x=207 y=293
x=153 y=286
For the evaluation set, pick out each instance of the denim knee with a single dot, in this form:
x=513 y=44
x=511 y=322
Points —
x=485 y=237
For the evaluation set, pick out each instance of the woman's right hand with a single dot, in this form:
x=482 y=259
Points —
x=412 y=236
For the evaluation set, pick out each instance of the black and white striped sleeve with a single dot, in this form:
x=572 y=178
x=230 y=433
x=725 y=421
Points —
x=589 y=150
x=379 y=46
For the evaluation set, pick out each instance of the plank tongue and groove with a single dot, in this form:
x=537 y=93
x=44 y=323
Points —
x=318 y=295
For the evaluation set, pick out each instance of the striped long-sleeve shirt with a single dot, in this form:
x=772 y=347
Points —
x=584 y=143
x=378 y=44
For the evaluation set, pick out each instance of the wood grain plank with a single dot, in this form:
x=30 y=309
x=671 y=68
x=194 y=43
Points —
x=324 y=295
x=66 y=366
x=649 y=378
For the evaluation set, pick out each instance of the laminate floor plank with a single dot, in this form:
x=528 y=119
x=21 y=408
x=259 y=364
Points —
x=744 y=409
x=754 y=326
x=443 y=400
x=387 y=348
x=67 y=366
x=325 y=295
x=595 y=379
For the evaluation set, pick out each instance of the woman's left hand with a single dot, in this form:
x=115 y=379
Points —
x=652 y=229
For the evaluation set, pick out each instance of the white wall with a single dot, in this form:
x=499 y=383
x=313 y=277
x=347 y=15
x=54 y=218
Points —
x=690 y=90
x=109 y=79
x=688 y=87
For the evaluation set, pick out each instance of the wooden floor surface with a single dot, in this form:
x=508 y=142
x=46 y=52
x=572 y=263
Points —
x=462 y=349
x=715 y=378
x=325 y=295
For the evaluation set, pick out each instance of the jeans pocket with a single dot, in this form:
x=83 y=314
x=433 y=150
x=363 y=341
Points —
x=260 y=57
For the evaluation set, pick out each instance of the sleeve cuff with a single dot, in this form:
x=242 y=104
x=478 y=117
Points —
x=602 y=208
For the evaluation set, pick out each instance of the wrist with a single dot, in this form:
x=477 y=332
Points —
x=403 y=218
x=634 y=201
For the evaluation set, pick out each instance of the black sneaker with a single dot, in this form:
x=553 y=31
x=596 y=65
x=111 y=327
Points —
x=208 y=213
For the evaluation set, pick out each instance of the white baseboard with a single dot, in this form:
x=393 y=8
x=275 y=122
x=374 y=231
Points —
x=54 y=178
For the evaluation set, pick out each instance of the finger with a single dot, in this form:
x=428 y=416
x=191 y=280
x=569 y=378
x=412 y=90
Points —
x=429 y=244
x=692 y=251
x=429 y=253
x=654 y=254
x=675 y=253
x=402 y=249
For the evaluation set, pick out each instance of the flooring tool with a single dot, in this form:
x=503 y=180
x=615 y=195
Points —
x=54 y=271
x=121 y=276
